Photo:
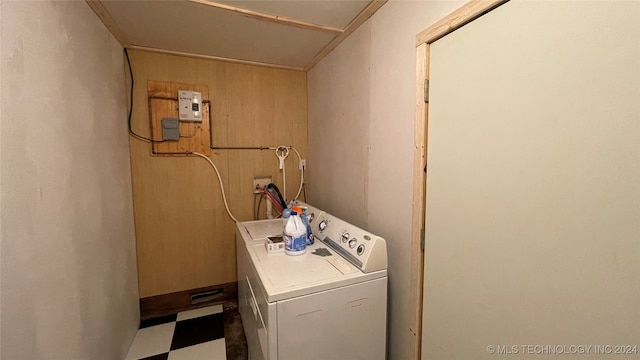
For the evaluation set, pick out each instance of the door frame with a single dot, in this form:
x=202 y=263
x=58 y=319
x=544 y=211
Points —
x=458 y=18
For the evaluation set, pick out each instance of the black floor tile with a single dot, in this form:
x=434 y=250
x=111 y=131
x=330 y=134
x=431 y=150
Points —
x=158 y=321
x=234 y=337
x=164 y=356
x=198 y=330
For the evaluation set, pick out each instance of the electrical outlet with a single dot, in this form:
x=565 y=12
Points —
x=303 y=164
x=260 y=181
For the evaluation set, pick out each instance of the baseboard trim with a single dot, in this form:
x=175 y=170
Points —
x=167 y=304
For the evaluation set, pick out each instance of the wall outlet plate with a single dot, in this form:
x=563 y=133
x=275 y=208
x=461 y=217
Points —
x=260 y=181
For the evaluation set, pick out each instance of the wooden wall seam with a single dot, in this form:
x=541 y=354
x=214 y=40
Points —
x=363 y=16
x=211 y=57
x=282 y=20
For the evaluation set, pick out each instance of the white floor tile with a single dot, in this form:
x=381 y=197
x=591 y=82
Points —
x=212 y=350
x=209 y=310
x=151 y=341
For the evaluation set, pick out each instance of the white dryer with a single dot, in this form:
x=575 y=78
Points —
x=330 y=303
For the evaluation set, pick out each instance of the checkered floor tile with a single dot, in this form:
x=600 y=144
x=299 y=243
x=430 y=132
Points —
x=190 y=335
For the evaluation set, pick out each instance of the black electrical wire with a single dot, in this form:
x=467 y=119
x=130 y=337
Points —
x=139 y=137
x=274 y=187
x=304 y=191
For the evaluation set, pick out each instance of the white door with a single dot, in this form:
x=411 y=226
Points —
x=533 y=189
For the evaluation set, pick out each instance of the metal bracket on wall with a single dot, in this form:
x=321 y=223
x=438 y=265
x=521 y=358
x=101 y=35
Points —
x=426 y=91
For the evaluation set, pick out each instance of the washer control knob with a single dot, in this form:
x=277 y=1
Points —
x=345 y=237
x=322 y=225
x=352 y=243
x=360 y=249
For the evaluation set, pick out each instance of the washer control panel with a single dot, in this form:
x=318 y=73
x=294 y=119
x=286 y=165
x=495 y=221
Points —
x=366 y=251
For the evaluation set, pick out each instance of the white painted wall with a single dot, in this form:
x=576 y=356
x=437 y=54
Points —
x=338 y=91
x=69 y=287
x=365 y=90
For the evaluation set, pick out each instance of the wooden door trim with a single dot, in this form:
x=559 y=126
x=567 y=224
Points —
x=455 y=20
x=418 y=202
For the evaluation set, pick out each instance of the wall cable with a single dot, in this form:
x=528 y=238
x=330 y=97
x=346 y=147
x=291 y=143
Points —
x=224 y=196
x=301 y=173
x=281 y=152
x=131 y=132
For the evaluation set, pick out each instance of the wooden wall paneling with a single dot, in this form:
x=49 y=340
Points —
x=194 y=136
x=185 y=239
x=271 y=120
x=284 y=110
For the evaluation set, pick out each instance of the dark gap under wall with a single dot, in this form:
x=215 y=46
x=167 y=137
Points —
x=160 y=305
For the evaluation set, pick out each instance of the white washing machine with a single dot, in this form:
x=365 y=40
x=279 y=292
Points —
x=328 y=304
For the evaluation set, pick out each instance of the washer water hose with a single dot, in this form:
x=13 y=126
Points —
x=301 y=172
x=282 y=152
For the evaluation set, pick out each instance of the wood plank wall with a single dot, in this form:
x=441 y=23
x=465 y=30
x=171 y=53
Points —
x=185 y=239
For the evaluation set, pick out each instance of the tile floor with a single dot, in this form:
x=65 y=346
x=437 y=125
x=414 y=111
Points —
x=190 y=335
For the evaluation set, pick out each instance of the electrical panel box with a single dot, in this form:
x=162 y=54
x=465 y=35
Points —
x=190 y=105
x=189 y=136
x=170 y=129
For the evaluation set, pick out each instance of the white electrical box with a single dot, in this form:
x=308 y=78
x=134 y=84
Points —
x=190 y=105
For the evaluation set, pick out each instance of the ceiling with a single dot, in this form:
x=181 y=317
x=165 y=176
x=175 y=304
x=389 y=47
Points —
x=292 y=34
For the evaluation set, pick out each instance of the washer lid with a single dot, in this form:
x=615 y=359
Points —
x=284 y=276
